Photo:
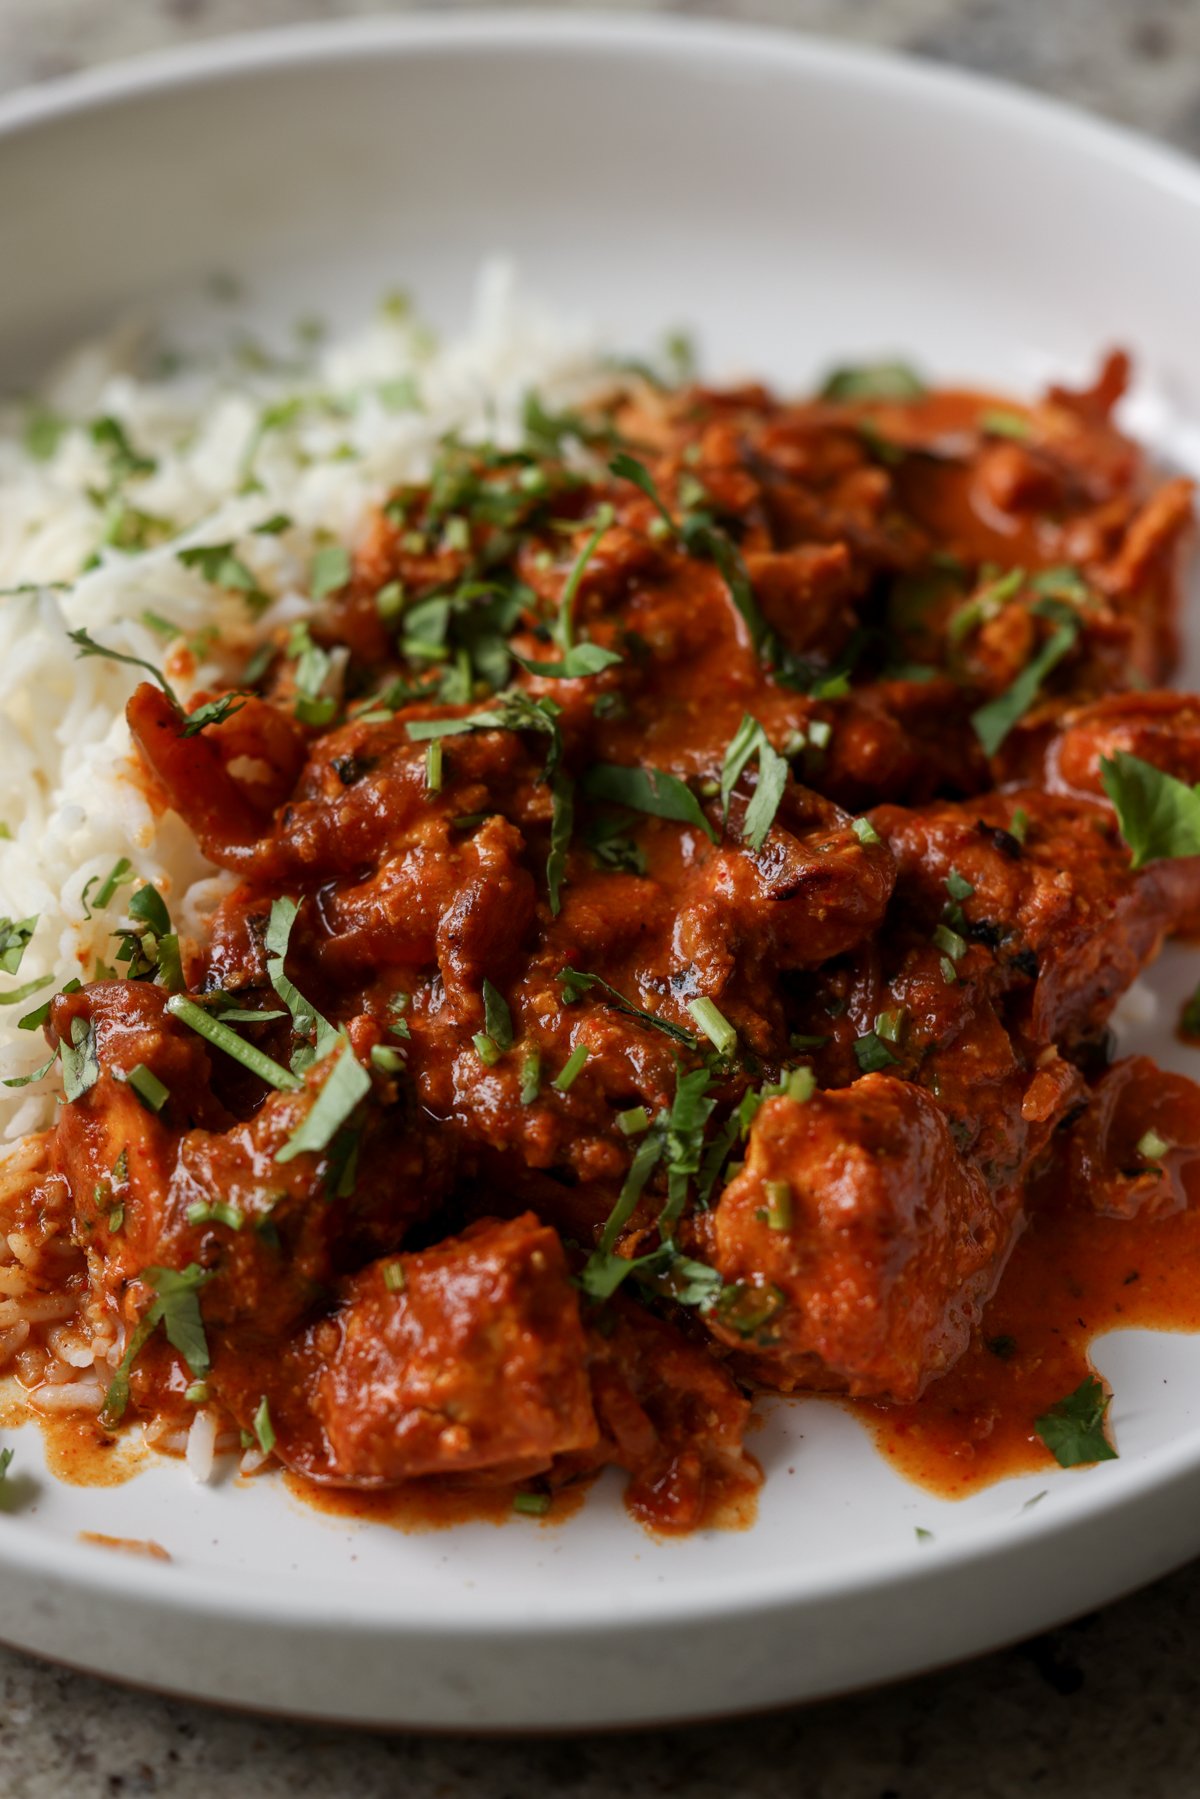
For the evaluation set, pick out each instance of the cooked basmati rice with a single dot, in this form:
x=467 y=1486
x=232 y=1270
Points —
x=345 y=433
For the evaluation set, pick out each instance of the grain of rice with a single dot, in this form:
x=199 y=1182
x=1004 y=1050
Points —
x=202 y=1446
x=13 y=1338
x=71 y=1396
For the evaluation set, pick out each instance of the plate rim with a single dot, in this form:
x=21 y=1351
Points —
x=223 y=1593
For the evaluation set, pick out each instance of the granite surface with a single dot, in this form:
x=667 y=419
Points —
x=1107 y=1707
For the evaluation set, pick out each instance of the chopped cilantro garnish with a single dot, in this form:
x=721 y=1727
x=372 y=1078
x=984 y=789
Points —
x=997 y=421
x=1073 y=1429
x=575 y=983
x=533 y=1505
x=329 y=571
x=80 y=1062
x=215 y=1211
x=497 y=1019
x=873 y=381
x=1159 y=815
x=264 y=1430
x=345 y=1085
x=649 y=790
x=995 y=720
x=15 y=937
x=531 y=1078
x=177 y=1308
x=865 y=831
x=748 y=741
x=218 y=565
x=317 y=1035
x=872 y=1053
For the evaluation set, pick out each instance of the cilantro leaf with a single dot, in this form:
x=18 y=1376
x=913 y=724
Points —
x=650 y=790
x=317 y=1035
x=346 y=1083
x=497 y=1019
x=329 y=571
x=176 y=1307
x=872 y=381
x=1073 y=1429
x=15 y=936
x=1159 y=815
x=748 y=741
x=575 y=982
x=80 y=1061
x=994 y=721
x=580 y=660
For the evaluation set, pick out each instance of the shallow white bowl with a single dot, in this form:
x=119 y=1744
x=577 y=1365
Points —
x=797 y=204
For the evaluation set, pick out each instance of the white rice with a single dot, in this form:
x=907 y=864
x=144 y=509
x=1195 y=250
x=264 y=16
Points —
x=66 y=795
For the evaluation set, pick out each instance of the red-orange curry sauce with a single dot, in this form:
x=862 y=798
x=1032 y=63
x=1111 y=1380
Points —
x=684 y=874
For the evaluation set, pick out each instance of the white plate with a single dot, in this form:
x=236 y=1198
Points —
x=795 y=203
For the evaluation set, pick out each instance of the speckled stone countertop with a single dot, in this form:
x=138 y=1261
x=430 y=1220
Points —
x=1109 y=1706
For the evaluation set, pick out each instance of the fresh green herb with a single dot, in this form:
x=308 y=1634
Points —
x=17 y=994
x=613 y=848
x=1073 y=1429
x=748 y=741
x=1018 y=824
x=531 y=1077
x=15 y=937
x=575 y=983
x=118 y=875
x=149 y=1089
x=567 y=1075
x=329 y=571
x=313 y=666
x=215 y=1211
x=873 y=381
x=984 y=605
x=872 y=1053
x=177 y=1308
x=264 y=1430
x=950 y=942
x=923 y=1535
x=634 y=1121
x=393 y=1276
x=566 y=607
x=779 y=1205
x=865 y=831
x=1159 y=815
x=191 y=723
x=716 y=1027
x=890 y=1025
x=1062 y=582
x=109 y=435
x=345 y=1085
x=749 y=1309
x=275 y=525
x=385 y=1059
x=649 y=790
x=218 y=1033
x=434 y=753
x=489 y=1053
x=318 y=1036
x=533 y=1505
x=218 y=565
x=27 y=1080
x=580 y=660
x=497 y=1019
x=33 y=1021
x=398 y=1025
x=1152 y=1146
x=198 y=1393
x=80 y=1061
x=604 y=1271
x=994 y=721
x=999 y=422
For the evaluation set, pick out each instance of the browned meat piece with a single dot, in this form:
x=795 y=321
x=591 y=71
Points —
x=1131 y=1149
x=464 y=1357
x=857 y=1245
